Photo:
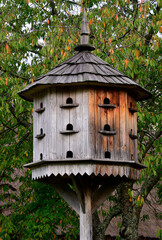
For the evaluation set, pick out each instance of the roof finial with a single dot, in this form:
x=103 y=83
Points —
x=84 y=39
x=84 y=29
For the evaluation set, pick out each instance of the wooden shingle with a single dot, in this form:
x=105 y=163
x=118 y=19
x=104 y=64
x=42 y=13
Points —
x=84 y=67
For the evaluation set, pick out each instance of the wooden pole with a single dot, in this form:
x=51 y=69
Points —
x=86 y=198
x=86 y=217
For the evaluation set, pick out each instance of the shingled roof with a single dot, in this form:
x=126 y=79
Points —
x=84 y=68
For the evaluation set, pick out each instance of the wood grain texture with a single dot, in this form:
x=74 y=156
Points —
x=116 y=125
x=73 y=120
x=103 y=193
x=78 y=141
x=132 y=126
x=35 y=147
x=86 y=218
x=122 y=124
x=45 y=124
x=135 y=131
x=53 y=123
x=110 y=120
x=40 y=146
x=85 y=141
x=59 y=124
x=65 y=115
x=92 y=127
x=65 y=192
x=97 y=124
x=103 y=120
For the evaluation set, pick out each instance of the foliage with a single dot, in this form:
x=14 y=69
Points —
x=37 y=214
x=37 y=35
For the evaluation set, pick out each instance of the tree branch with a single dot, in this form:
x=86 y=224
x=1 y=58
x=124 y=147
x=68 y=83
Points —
x=151 y=182
x=150 y=142
x=20 y=121
x=5 y=125
x=116 y=210
x=13 y=74
x=8 y=185
x=115 y=40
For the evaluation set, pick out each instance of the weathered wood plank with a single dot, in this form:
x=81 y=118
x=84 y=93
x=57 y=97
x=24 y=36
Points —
x=59 y=124
x=103 y=117
x=135 y=131
x=86 y=218
x=65 y=121
x=123 y=133
x=35 y=123
x=66 y=193
x=110 y=116
x=98 y=119
x=126 y=125
x=85 y=142
x=53 y=121
x=103 y=193
x=97 y=123
x=116 y=125
x=131 y=127
x=73 y=120
x=77 y=182
x=37 y=130
x=40 y=143
x=92 y=136
x=78 y=141
x=46 y=118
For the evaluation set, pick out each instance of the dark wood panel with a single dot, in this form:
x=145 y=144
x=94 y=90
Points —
x=110 y=116
x=122 y=118
x=130 y=127
x=116 y=125
x=104 y=120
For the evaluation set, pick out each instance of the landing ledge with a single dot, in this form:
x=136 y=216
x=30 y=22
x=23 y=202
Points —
x=71 y=161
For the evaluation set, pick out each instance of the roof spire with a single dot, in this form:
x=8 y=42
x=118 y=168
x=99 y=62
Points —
x=84 y=39
x=84 y=29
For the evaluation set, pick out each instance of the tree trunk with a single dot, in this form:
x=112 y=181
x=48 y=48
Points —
x=130 y=216
x=98 y=228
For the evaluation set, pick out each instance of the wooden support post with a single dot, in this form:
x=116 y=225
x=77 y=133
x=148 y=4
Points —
x=101 y=194
x=79 y=191
x=86 y=218
x=82 y=200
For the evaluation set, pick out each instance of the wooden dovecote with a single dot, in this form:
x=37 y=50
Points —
x=96 y=100
x=85 y=126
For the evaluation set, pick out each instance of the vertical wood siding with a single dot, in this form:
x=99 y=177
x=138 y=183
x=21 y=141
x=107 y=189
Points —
x=53 y=109
x=120 y=146
x=77 y=115
x=110 y=121
x=41 y=120
x=87 y=118
x=65 y=116
x=132 y=125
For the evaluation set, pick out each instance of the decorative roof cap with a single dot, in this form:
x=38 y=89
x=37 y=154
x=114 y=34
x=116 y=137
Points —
x=84 y=39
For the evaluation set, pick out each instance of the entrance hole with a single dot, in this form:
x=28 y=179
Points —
x=69 y=101
x=69 y=154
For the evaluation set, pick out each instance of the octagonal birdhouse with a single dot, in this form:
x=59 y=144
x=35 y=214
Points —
x=85 y=117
